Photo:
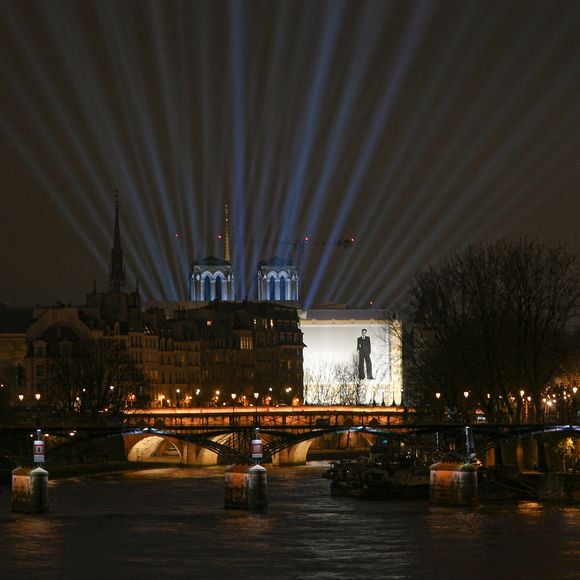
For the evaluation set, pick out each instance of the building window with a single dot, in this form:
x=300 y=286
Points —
x=218 y=288
x=206 y=288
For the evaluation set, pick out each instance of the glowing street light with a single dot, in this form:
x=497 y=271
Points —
x=234 y=402
x=256 y=397
x=21 y=397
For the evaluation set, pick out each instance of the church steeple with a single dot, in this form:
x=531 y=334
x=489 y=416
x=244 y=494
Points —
x=227 y=256
x=212 y=278
x=117 y=267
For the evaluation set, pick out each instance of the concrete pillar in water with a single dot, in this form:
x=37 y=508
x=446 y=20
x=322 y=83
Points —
x=30 y=490
x=246 y=487
x=531 y=456
x=453 y=484
x=520 y=461
x=509 y=453
x=489 y=459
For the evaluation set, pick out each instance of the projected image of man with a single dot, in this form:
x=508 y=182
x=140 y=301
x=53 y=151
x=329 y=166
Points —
x=363 y=346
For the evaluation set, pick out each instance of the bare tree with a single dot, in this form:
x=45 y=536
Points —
x=97 y=376
x=494 y=322
x=319 y=385
x=335 y=383
x=349 y=386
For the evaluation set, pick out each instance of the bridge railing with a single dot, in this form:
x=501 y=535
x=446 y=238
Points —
x=298 y=417
x=311 y=417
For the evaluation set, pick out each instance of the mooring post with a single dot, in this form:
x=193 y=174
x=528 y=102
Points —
x=247 y=485
x=30 y=486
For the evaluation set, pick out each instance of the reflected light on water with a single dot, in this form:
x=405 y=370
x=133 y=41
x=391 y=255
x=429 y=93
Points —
x=144 y=524
x=532 y=509
x=32 y=538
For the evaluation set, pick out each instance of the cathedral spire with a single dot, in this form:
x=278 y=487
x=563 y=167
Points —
x=227 y=257
x=117 y=267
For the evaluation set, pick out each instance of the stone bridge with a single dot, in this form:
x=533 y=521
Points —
x=211 y=436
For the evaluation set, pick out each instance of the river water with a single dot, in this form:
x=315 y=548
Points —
x=171 y=523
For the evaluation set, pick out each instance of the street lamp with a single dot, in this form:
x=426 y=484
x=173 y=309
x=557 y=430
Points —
x=197 y=392
x=21 y=397
x=234 y=402
x=256 y=397
x=177 y=396
x=37 y=397
x=466 y=395
x=437 y=409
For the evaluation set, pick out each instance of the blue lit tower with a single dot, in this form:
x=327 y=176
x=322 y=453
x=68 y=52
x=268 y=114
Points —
x=278 y=280
x=212 y=278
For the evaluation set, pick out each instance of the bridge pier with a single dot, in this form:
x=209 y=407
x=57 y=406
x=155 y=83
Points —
x=522 y=454
x=295 y=455
x=490 y=457
x=453 y=484
x=196 y=455
x=246 y=487
x=527 y=454
x=30 y=490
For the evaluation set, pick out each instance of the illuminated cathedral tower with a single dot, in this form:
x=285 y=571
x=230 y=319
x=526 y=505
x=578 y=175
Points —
x=278 y=280
x=212 y=278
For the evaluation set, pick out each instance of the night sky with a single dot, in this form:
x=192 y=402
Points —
x=413 y=127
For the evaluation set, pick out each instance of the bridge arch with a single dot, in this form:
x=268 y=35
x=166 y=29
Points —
x=294 y=455
x=159 y=447
x=155 y=448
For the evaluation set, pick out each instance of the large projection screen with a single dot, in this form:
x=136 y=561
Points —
x=351 y=360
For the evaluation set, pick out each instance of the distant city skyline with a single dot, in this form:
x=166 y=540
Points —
x=409 y=129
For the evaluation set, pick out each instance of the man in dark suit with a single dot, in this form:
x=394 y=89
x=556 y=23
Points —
x=363 y=346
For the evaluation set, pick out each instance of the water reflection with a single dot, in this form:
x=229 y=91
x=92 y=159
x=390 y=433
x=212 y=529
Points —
x=532 y=509
x=26 y=539
x=155 y=523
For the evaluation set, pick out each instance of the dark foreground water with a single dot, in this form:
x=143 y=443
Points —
x=171 y=523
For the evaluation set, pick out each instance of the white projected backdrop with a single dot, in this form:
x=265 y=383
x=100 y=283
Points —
x=333 y=345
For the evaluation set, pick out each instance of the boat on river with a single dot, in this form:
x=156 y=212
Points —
x=376 y=479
